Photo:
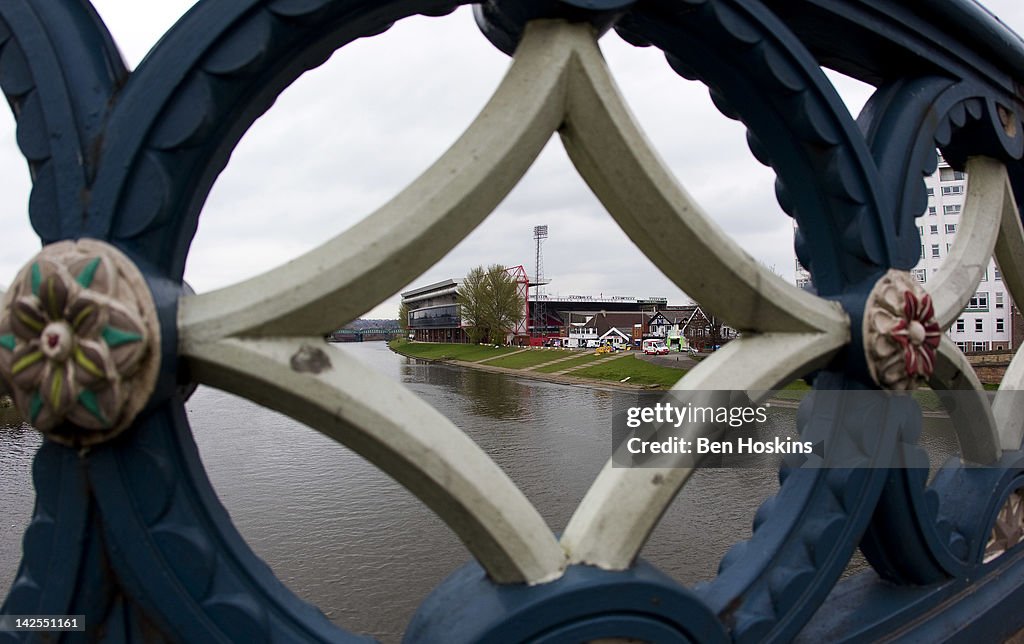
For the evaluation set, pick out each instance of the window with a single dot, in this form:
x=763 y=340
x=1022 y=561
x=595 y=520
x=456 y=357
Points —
x=978 y=303
x=999 y=276
x=933 y=229
x=920 y=230
x=931 y=209
x=931 y=192
x=962 y=346
x=951 y=210
x=1000 y=325
x=949 y=174
x=981 y=346
x=435 y=316
x=948 y=247
x=920 y=274
x=979 y=325
x=952 y=190
x=922 y=251
x=999 y=300
x=960 y=325
x=935 y=250
x=950 y=228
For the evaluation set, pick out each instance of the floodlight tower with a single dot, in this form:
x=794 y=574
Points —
x=540 y=233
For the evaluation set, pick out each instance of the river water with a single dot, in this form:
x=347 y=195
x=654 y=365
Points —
x=365 y=551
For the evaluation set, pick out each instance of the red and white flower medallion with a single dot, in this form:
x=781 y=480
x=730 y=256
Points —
x=901 y=334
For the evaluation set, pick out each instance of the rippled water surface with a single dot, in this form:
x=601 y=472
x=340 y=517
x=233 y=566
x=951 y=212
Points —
x=18 y=444
x=347 y=538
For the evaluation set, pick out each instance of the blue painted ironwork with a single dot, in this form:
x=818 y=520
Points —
x=132 y=534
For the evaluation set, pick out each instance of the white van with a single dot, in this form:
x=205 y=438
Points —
x=655 y=347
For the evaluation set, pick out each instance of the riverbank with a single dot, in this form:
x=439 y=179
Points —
x=625 y=370
x=567 y=366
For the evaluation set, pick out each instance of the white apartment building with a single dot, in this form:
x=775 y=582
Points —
x=986 y=323
x=803 y=276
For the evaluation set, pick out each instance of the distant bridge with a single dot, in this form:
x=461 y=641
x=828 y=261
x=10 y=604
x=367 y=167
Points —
x=362 y=335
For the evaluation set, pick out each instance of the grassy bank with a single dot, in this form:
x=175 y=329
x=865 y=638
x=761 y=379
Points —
x=531 y=358
x=638 y=372
x=625 y=368
x=569 y=364
x=547 y=361
x=442 y=351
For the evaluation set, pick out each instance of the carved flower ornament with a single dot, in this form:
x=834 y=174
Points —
x=901 y=334
x=78 y=342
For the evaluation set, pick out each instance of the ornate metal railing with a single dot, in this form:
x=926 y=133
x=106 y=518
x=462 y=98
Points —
x=99 y=341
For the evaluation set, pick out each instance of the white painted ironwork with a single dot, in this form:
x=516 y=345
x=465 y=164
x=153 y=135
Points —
x=262 y=338
x=1008 y=529
x=972 y=412
x=988 y=195
x=624 y=505
x=990 y=222
x=324 y=387
x=296 y=304
x=1008 y=407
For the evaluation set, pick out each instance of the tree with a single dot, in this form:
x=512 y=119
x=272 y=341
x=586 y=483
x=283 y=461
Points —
x=403 y=316
x=489 y=303
x=471 y=298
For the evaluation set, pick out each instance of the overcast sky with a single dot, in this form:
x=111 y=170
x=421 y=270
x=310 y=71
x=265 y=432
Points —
x=349 y=135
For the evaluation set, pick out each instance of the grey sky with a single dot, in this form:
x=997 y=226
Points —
x=349 y=135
